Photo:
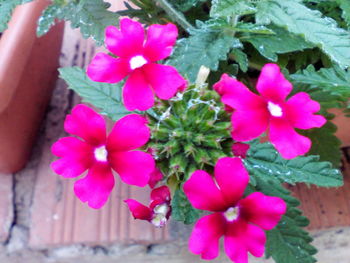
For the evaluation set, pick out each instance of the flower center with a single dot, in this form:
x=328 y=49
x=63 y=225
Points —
x=160 y=215
x=274 y=109
x=231 y=214
x=137 y=62
x=101 y=153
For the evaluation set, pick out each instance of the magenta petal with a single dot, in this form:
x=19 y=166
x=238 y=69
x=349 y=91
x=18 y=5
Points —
x=205 y=236
x=272 y=85
x=300 y=111
x=203 y=193
x=249 y=124
x=87 y=124
x=128 y=133
x=133 y=167
x=96 y=186
x=165 y=80
x=236 y=95
x=76 y=157
x=262 y=210
x=156 y=176
x=104 y=68
x=232 y=178
x=160 y=41
x=126 y=42
x=138 y=210
x=240 y=149
x=287 y=141
x=161 y=193
x=242 y=238
x=137 y=92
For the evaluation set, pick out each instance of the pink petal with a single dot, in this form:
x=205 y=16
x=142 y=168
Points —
x=236 y=95
x=203 y=193
x=249 y=124
x=161 y=193
x=160 y=41
x=165 y=80
x=128 y=133
x=104 y=68
x=240 y=149
x=262 y=210
x=87 y=124
x=126 y=42
x=138 y=210
x=77 y=157
x=242 y=238
x=96 y=186
x=232 y=178
x=300 y=111
x=133 y=167
x=287 y=141
x=205 y=236
x=272 y=85
x=156 y=176
x=137 y=92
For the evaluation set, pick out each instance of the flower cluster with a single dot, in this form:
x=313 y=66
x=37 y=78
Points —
x=240 y=217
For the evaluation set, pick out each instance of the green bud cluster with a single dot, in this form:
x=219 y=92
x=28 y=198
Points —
x=189 y=132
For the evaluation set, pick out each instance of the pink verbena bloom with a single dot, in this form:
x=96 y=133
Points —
x=99 y=154
x=159 y=210
x=136 y=59
x=240 y=149
x=156 y=176
x=240 y=220
x=271 y=111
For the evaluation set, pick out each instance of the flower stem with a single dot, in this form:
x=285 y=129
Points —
x=176 y=15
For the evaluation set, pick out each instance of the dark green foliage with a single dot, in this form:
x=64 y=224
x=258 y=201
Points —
x=182 y=210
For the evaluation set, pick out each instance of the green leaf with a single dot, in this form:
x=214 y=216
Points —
x=92 y=17
x=287 y=242
x=334 y=80
x=184 y=5
x=241 y=58
x=203 y=47
x=6 y=9
x=265 y=162
x=316 y=29
x=182 y=210
x=325 y=143
x=345 y=6
x=224 y=8
x=253 y=28
x=281 y=42
x=104 y=96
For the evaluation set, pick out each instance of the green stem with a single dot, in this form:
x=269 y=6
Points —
x=173 y=13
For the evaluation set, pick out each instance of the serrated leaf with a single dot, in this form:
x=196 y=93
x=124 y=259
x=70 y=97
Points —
x=325 y=143
x=241 y=58
x=345 y=6
x=281 y=42
x=224 y=8
x=91 y=17
x=253 y=28
x=182 y=210
x=333 y=80
x=316 y=29
x=104 y=96
x=203 y=47
x=264 y=161
x=6 y=9
x=287 y=242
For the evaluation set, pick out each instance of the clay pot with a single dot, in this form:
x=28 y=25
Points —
x=28 y=70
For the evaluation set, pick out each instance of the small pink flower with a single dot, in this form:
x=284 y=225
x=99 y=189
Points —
x=156 y=176
x=240 y=149
x=240 y=221
x=159 y=210
x=255 y=114
x=136 y=59
x=99 y=154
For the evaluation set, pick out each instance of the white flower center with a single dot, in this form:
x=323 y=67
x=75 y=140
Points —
x=274 y=109
x=161 y=209
x=159 y=220
x=101 y=153
x=137 y=62
x=231 y=214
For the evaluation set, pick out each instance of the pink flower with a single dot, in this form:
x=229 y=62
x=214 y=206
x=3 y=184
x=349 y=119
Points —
x=99 y=154
x=136 y=59
x=156 y=176
x=240 y=149
x=255 y=114
x=159 y=210
x=240 y=221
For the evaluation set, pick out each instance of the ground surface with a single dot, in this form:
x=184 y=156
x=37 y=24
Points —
x=42 y=221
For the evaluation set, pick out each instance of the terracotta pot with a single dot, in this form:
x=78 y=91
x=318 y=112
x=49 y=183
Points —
x=28 y=69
